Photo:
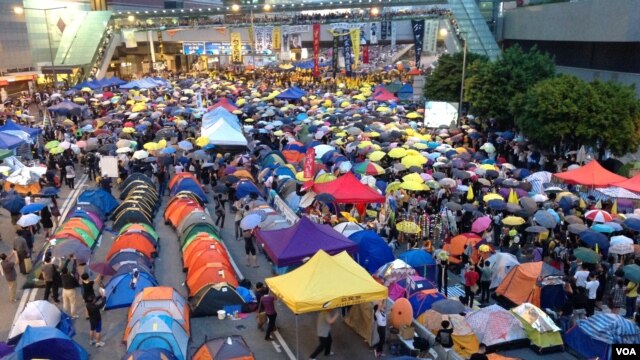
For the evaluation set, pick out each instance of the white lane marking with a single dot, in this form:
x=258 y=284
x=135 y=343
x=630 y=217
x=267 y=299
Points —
x=284 y=346
x=34 y=292
x=276 y=346
x=68 y=203
x=21 y=305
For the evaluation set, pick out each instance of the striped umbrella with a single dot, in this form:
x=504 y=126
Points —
x=368 y=168
x=600 y=216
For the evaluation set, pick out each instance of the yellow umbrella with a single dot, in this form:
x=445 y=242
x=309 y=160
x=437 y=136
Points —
x=79 y=100
x=202 y=141
x=139 y=107
x=67 y=122
x=488 y=167
x=324 y=178
x=382 y=109
x=393 y=186
x=414 y=186
x=413 y=115
x=130 y=102
x=344 y=104
x=376 y=155
x=492 y=196
x=420 y=146
x=128 y=130
x=414 y=160
x=413 y=177
x=397 y=153
x=364 y=144
x=86 y=89
x=151 y=146
x=461 y=150
x=373 y=134
x=162 y=144
x=241 y=102
x=348 y=216
x=513 y=198
x=237 y=112
x=408 y=227
x=412 y=152
x=360 y=97
x=300 y=176
x=513 y=221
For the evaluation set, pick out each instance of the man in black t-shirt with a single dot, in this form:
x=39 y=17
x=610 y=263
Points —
x=481 y=354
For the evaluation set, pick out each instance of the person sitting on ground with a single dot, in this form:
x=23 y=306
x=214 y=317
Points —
x=445 y=335
x=481 y=353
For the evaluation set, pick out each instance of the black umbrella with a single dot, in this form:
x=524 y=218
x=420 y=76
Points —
x=107 y=149
x=325 y=198
x=230 y=179
x=438 y=175
x=453 y=206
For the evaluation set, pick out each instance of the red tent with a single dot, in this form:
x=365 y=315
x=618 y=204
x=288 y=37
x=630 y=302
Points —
x=347 y=189
x=384 y=95
x=414 y=71
x=632 y=184
x=592 y=175
x=225 y=104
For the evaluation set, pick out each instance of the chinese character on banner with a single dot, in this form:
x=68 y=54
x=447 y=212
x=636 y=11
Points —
x=365 y=54
x=236 y=48
x=276 y=34
x=309 y=163
x=334 y=57
x=316 y=50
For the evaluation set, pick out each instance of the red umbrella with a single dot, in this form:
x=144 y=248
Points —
x=107 y=95
x=129 y=124
x=102 y=269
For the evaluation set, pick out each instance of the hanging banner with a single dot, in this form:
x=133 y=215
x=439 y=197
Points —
x=129 y=37
x=346 y=49
x=383 y=30
x=365 y=54
x=344 y=25
x=309 y=163
x=334 y=57
x=316 y=50
x=295 y=42
x=276 y=35
x=355 y=44
x=252 y=38
x=264 y=39
x=373 y=34
x=418 y=38
x=394 y=32
x=431 y=35
x=295 y=29
x=236 y=48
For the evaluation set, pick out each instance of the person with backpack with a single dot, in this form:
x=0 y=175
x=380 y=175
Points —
x=70 y=175
x=445 y=335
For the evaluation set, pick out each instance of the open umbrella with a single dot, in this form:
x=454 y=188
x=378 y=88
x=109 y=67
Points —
x=250 y=221
x=600 y=216
x=632 y=272
x=577 y=228
x=13 y=204
x=32 y=208
x=28 y=220
x=408 y=227
x=497 y=205
x=481 y=224
x=586 y=255
x=572 y=219
x=513 y=221
x=72 y=247
x=544 y=218
x=102 y=268
x=448 y=307
x=620 y=245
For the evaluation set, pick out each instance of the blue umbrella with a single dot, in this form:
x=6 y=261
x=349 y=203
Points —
x=544 y=218
x=209 y=147
x=632 y=223
x=169 y=150
x=497 y=204
x=603 y=228
x=13 y=204
x=31 y=208
x=592 y=238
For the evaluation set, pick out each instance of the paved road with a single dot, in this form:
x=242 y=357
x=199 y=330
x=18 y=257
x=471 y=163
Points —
x=347 y=345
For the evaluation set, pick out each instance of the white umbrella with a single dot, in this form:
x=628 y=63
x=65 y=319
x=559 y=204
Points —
x=123 y=150
x=322 y=149
x=140 y=154
x=65 y=145
x=185 y=145
x=250 y=221
x=620 y=245
x=28 y=220
x=123 y=143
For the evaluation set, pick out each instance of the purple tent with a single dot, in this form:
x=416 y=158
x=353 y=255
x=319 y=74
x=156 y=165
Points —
x=292 y=245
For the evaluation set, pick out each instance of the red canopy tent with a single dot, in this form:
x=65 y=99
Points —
x=592 y=175
x=225 y=104
x=347 y=189
x=632 y=184
x=383 y=94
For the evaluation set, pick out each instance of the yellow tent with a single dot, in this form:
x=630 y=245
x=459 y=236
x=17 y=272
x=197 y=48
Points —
x=326 y=282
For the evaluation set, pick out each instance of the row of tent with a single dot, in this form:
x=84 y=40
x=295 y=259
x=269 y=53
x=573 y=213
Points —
x=132 y=253
x=99 y=84
x=211 y=280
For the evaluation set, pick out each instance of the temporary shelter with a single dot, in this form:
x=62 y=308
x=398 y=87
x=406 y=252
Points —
x=226 y=348
x=11 y=127
x=522 y=285
x=220 y=113
x=223 y=134
x=495 y=326
x=394 y=271
x=209 y=274
x=246 y=188
x=455 y=247
x=293 y=93
x=225 y=104
x=291 y=246
x=540 y=329
x=409 y=285
x=126 y=284
x=99 y=198
x=593 y=337
x=150 y=354
x=347 y=189
x=190 y=185
x=134 y=241
x=591 y=175
x=40 y=313
x=422 y=300
x=465 y=341
x=373 y=251
x=422 y=261
x=159 y=331
x=158 y=298
x=194 y=218
x=500 y=265
x=131 y=257
x=48 y=343
x=360 y=318
x=632 y=184
x=214 y=297
x=8 y=141
x=178 y=208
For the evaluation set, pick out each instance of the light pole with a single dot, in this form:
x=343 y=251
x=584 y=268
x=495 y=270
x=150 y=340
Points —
x=464 y=65
x=20 y=10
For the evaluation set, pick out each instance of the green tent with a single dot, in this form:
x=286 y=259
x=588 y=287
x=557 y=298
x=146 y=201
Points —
x=543 y=333
x=193 y=236
x=5 y=154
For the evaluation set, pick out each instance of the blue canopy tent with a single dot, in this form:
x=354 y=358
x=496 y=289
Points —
x=188 y=184
x=112 y=81
x=292 y=93
x=593 y=337
x=123 y=288
x=48 y=343
x=373 y=251
x=159 y=332
x=99 y=198
x=10 y=126
x=405 y=92
x=10 y=142
x=422 y=261
x=247 y=187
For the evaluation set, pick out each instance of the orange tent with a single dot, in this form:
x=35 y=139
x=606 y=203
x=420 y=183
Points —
x=522 y=283
x=208 y=257
x=183 y=175
x=178 y=210
x=455 y=247
x=135 y=241
x=33 y=188
x=293 y=156
x=77 y=223
x=214 y=273
x=158 y=298
x=242 y=173
x=591 y=175
x=225 y=348
x=198 y=245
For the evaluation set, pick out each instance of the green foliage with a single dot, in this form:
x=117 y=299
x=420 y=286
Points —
x=492 y=87
x=566 y=110
x=444 y=82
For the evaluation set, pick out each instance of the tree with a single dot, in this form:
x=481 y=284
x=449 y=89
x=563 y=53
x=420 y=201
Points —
x=444 y=82
x=494 y=85
x=564 y=113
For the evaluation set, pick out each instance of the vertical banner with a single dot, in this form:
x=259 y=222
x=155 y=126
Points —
x=418 y=38
x=394 y=32
x=309 y=163
x=236 y=48
x=334 y=57
x=316 y=50
x=252 y=38
x=365 y=54
x=355 y=43
x=346 y=48
x=129 y=37
x=373 y=33
x=276 y=34
x=431 y=35
x=383 y=30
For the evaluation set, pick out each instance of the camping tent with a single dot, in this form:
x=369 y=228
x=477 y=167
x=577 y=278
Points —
x=405 y=92
x=150 y=354
x=158 y=298
x=593 y=337
x=422 y=261
x=293 y=93
x=494 y=325
x=501 y=264
x=125 y=285
x=348 y=189
x=465 y=341
x=40 y=313
x=540 y=329
x=99 y=198
x=382 y=94
x=159 y=331
x=422 y=300
x=360 y=319
x=226 y=348
x=291 y=246
x=222 y=133
x=522 y=285
x=591 y=175
x=373 y=251
x=214 y=297
x=326 y=282
x=48 y=343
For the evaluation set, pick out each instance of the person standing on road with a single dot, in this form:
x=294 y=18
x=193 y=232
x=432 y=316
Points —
x=94 y=304
x=326 y=318
x=592 y=290
x=50 y=277
x=381 y=325
x=71 y=175
x=443 y=273
x=87 y=288
x=220 y=212
x=69 y=285
x=250 y=248
x=631 y=295
x=471 y=278
x=8 y=270
x=268 y=305
x=485 y=281
x=21 y=248
x=162 y=181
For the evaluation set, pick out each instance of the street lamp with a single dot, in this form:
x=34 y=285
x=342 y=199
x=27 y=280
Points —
x=18 y=10
x=464 y=65
x=375 y=11
x=235 y=7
